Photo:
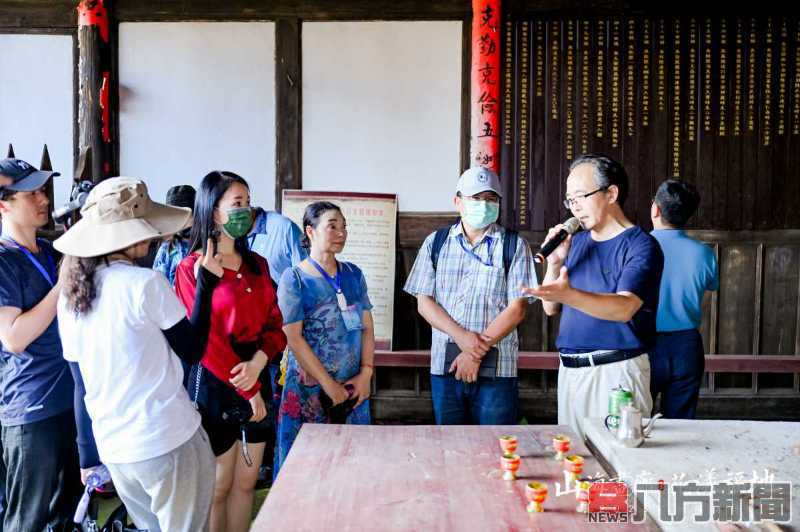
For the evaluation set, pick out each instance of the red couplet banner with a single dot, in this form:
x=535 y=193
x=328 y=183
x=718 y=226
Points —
x=485 y=76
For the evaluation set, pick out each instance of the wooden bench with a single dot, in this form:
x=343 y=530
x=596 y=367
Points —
x=549 y=360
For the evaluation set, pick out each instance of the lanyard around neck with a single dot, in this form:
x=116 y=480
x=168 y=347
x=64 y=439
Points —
x=471 y=253
x=333 y=281
x=48 y=273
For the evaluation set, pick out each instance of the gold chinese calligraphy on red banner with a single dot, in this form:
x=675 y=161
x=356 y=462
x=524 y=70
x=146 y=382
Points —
x=485 y=134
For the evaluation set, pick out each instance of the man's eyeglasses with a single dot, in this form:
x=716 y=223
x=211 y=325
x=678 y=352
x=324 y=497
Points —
x=569 y=202
x=487 y=198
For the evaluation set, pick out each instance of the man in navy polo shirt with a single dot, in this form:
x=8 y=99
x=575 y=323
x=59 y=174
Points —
x=605 y=283
x=38 y=427
x=690 y=268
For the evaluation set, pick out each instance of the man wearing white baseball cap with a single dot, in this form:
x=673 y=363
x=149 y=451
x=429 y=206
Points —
x=467 y=279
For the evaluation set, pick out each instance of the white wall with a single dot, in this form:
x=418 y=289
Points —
x=381 y=109
x=36 y=102
x=196 y=97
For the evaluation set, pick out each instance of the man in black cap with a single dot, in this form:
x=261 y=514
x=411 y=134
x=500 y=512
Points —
x=36 y=388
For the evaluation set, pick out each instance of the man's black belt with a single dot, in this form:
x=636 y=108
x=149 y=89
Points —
x=584 y=360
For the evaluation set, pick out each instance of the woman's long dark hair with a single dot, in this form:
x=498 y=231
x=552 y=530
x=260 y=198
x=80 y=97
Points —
x=212 y=188
x=80 y=290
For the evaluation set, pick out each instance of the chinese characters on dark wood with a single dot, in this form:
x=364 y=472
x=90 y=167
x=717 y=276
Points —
x=713 y=100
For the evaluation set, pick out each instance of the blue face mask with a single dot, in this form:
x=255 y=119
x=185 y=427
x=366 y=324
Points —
x=480 y=214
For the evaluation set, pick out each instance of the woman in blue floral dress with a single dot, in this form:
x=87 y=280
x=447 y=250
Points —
x=328 y=322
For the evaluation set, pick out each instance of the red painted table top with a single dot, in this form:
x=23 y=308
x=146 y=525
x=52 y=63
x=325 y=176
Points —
x=344 y=477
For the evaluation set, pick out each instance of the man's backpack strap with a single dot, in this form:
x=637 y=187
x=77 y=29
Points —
x=438 y=242
x=509 y=249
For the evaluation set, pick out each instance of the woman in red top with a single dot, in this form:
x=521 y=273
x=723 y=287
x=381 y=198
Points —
x=245 y=332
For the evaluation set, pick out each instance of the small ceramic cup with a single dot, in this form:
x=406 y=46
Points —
x=536 y=493
x=510 y=463
x=561 y=446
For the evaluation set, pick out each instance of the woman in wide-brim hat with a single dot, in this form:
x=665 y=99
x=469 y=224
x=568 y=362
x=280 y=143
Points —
x=121 y=328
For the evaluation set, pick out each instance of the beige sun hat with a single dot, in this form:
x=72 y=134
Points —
x=117 y=214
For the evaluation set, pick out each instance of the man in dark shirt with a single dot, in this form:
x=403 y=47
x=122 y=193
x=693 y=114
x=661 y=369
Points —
x=38 y=428
x=605 y=283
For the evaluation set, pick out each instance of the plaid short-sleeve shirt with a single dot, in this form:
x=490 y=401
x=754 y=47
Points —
x=469 y=283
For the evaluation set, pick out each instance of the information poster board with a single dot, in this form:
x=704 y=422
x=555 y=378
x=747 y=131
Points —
x=371 y=245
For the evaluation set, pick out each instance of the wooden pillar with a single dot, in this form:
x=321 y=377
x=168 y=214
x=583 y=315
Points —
x=95 y=126
x=288 y=110
x=466 y=89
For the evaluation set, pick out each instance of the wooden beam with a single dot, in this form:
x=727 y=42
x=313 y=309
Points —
x=542 y=407
x=288 y=107
x=421 y=359
x=753 y=363
x=549 y=361
x=178 y=10
x=33 y=15
x=36 y=31
x=415 y=226
x=323 y=10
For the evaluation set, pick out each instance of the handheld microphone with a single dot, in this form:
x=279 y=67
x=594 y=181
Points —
x=79 y=195
x=571 y=227
x=70 y=206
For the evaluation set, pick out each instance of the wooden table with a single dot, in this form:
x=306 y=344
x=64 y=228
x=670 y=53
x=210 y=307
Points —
x=683 y=449
x=342 y=477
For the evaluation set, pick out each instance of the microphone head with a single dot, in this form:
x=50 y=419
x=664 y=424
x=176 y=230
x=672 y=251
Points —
x=62 y=212
x=572 y=226
x=81 y=198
